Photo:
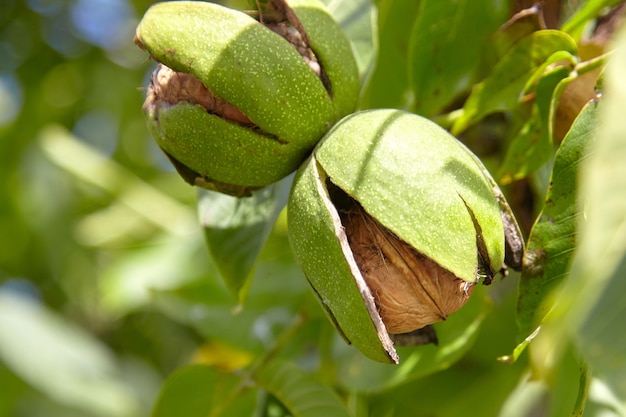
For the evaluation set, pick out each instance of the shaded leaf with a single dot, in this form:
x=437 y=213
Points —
x=553 y=237
x=202 y=391
x=236 y=229
x=533 y=147
x=502 y=90
x=439 y=70
x=516 y=163
x=299 y=391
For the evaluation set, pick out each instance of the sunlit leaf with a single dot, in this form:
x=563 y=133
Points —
x=236 y=229
x=503 y=88
x=440 y=70
x=203 y=391
x=299 y=392
x=553 y=238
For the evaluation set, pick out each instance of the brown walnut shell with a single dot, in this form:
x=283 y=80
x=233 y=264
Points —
x=410 y=290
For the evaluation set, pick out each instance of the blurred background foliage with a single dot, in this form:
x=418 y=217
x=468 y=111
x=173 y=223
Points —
x=108 y=294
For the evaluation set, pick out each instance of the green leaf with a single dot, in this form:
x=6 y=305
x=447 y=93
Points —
x=553 y=237
x=236 y=229
x=202 y=391
x=502 y=90
x=439 y=70
x=299 y=391
x=61 y=360
x=387 y=85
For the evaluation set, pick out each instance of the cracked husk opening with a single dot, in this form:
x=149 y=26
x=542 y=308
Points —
x=169 y=87
x=410 y=290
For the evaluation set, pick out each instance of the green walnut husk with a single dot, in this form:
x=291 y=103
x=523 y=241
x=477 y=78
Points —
x=237 y=104
x=394 y=221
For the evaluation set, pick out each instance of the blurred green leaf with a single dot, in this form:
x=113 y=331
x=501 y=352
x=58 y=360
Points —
x=61 y=360
x=278 y=292
x=589 y=10
x=387 y=85
x=206 y=309
x=202 y=391
x=299 y=391
x=13 y=388
x=563 y=393
x=528 y=398
x=166 y=262
x=503 y=89
x=592 y=300
x=553 y=238
x=236 y=229
x=89 y=165
x=439 y=70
